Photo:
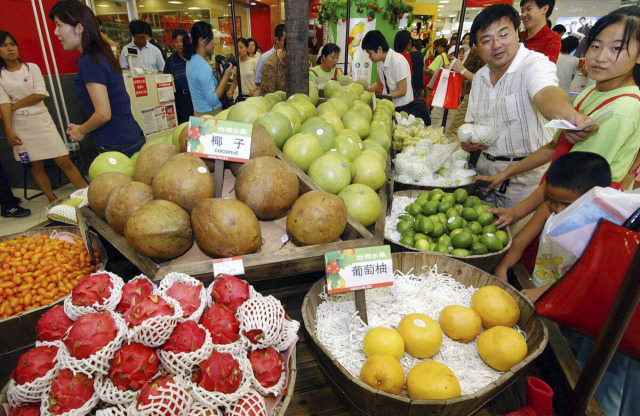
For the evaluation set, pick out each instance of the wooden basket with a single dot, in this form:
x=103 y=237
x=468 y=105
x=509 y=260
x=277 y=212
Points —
x=486 y=262
x=364 y=400
x=18 y=332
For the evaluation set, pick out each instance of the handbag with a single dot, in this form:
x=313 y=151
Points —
x=417 y=107
x=582 y=298
x=447 y=89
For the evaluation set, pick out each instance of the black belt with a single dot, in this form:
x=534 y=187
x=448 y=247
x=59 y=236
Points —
x=183 y=91
x=502 y=158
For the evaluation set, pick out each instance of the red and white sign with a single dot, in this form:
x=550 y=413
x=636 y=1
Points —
x=229 y=265
x=487 y=3
x=140 y=86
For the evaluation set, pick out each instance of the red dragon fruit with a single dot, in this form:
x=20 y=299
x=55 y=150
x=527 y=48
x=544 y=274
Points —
x=26 y=410
x=132 y=292
x=187 y=295
x=53 y=324
x=230 y=291
x=267 y=366
x=95 y=288
x=132 y=366
x=186 y=337
x=220 y=372
x=34 y=364
x=251 y=404
x=150 y=395
x=90 y=334
x=147 y=308
x=69 y=392
x=221 y=323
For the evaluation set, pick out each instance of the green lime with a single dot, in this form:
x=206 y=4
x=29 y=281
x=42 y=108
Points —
x=503 y=236
x=460 y=195
x=489 y=229
x=454 y=232
x=424 y=195
x=458 y=207
x=422 y=201
x=430 y=208
x=475 y=238
x=453 y=223
x=413 y=209
x=492 y=242
x=419 y=236
x=422 y=245
x=410 y=232
x=445 y=240
x=466 y=228
x=460 y=252
x=471 y=201
x=443 y=207
x=475 y=226
x=469 y=214
x=461 y=240
x=425 y=225
x=485 y=218
x=438 y=229
x=407 y=217
x=452 y=212
x=449 y=199
x=465 y=222
x=432 y=246
x=403 y=226
x=478 y=248
x=436 y=194
x=441 y=248
x=442 y=217
x=408 y=241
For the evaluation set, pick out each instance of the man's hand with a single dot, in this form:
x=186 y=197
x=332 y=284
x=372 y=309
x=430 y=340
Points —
x=472 y=147
x=13 y=139
x=575 y=136
x=74 y=133
x=494 y=180
x=506 y=216
x=457 y=66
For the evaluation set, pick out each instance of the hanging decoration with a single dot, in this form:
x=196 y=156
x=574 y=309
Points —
x=368 y=8
x=396 y=10
x=336 y=10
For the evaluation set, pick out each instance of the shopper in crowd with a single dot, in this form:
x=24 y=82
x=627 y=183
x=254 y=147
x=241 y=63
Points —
x=149 y=57
x=153 y=42
x=247 y=69
x=114 y=46
x=613 y=61
x=9 y=204
x=443 y=60
x=394 y=75
x=428 y=59
x=466 y=39
x=206 y=91
x=401 y=44
x=280 y=35
x=526 y=83
x=27 y=122
x=567 y=65
x=252 y=49
x=327 y=63
x=274 y=71
x=417 y=62
x=176 y=65
x=440 y=57
x=537 y=36
x=560 y=30
x=99 y=84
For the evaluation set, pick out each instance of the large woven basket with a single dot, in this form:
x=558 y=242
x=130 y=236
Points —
x=364 y=400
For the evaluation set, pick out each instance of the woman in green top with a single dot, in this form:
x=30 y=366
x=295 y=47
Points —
x=327 y=63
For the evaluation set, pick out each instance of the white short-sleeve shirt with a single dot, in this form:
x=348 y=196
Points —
x=149 y=58
x=508 y=106
x=395 y=68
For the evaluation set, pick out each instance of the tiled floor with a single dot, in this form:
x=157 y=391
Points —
x=37 y=207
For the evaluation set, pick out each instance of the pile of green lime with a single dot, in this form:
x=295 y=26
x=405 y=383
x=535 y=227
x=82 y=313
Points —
x=450 y=223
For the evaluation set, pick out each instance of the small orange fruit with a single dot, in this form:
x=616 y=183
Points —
x=383 y=372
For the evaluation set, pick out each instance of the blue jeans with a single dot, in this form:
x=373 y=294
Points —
x=128 y=148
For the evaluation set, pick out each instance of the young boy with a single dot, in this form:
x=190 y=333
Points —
x=537 y=35
x=567 y=65
x=568 y=178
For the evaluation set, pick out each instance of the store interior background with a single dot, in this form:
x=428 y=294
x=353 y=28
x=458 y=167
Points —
x=254 y=18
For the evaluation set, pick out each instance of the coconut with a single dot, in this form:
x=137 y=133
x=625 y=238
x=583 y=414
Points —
x=150 y=160
x=100 y=187
x=124 y=200
x=182 y=138
x=184 y=179
x=317 y=217
x=267 y=185
x=159 y=229
x=262 y=144
x=225 y=227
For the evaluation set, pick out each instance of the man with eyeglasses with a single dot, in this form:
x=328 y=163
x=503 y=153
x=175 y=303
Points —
x=515 y=93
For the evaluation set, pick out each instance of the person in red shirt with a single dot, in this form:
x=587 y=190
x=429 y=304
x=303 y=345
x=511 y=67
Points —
x=537 y=35
x=401 y=44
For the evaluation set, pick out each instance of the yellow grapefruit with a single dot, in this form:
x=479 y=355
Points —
x=422 y=335
x=495 y=307
x=430 y=380
x=382 y=340
x=460 y=323
x=383 y=372
x=501 y=348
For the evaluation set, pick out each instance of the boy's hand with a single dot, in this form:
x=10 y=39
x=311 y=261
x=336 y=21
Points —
x=494 y=180
x=506 y=216
x=501 y=274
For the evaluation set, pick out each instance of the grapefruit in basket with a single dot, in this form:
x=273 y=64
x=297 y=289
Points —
x=422 y=335
x=383 y=372
x=495 y=307
x=431 y=380
x=501 y=348
x=381 y=340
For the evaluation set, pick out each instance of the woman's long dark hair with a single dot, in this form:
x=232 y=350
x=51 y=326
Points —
x=3 y=38
x=199 y=30
x=327 y=50
x=255 y=43
x=73 y=12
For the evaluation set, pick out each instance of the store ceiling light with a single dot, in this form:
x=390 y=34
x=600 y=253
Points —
x=102 y=5
x=175 y=2
x=193 y=8
x=452 y=15
x=443 y=1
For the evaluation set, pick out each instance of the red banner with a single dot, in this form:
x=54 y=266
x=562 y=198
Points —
x=140 y=87
x=227 y=30
x=486 y=3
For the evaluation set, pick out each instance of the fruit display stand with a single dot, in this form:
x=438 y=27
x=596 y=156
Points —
x=364 y=400
x=17 y=333
x=277 y=256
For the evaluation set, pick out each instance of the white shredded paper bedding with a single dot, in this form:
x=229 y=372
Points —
x=341 y=331
x=391 y=223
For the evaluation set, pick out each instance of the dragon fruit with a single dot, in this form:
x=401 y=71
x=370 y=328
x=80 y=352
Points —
x=230 y=291
x=251 y=404
x=187 y=295
x=221 y=323
x=93 y=289
x=267 y=366
x=90 y=334
x=220 y=373
x=26 y=410
x=147 y=308
x=132 y=366
x=150 y=395
x=34 y=364
x=69 y=392
x=186 y=337
x=53 y=324
x=133 y=292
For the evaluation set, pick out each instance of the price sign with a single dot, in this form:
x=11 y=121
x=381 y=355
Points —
x=358 y=269
x=229 y=265
x=219 y=139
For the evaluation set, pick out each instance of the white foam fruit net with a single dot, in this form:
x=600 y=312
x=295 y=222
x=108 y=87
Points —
x=18 y=394
x=154 y=332
x=274 y=390
x=289 y=335
x=173 y=277
x=65 y=211
x=214 y=399
x=114 y=410
x=265 y=314
x=75 y=312
x=172 y=399
x=198 y=409
x=110 y=394
x=45 y=408
x=100 y=362
x=178 y=363
x=251 y=404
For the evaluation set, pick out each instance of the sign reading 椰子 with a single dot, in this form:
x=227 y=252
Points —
x=358 y=269
x=229 y=265
x=219 y=139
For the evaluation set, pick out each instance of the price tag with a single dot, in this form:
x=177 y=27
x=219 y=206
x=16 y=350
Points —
x=229 y=265
x=85 y=234
x=358 y=269
x=219 y=139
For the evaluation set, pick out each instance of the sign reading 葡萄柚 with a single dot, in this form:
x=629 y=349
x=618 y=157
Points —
x=219 y=139
x=358 y=269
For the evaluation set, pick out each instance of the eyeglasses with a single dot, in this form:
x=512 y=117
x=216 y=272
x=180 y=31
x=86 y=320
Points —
x=10 y=44
x=501 y=38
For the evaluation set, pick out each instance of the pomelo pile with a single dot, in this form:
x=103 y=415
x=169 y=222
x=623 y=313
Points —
x=447 y=223
x=172 y=350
